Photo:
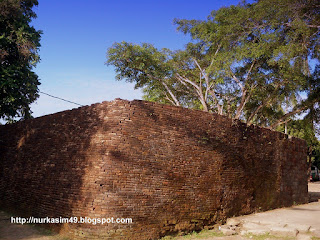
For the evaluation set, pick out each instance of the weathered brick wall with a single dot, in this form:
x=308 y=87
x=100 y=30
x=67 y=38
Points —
x=168 y=168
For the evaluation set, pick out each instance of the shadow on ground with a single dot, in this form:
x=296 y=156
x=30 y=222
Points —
x=314 y=196
x=314 y=191
x=11 y=231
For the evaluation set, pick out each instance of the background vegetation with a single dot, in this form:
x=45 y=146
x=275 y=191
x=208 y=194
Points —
x=19 y=44
x=255 y=62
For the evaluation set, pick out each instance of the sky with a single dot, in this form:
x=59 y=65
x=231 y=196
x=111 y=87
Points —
x=77 y=34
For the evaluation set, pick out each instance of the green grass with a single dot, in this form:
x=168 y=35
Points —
x=195 y=235
x=266 y=236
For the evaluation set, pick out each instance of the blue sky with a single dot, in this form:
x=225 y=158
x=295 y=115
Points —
x=77 y=34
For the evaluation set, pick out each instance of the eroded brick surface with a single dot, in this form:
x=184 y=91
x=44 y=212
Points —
x=168 y=168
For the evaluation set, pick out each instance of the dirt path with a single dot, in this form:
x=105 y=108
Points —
x=300 y=222
x=11 y=231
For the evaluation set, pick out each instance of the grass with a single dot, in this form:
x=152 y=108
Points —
x=266 y=236
x=195 y=235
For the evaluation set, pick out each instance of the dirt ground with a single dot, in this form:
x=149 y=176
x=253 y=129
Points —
x=300 y=222
x=11 y=231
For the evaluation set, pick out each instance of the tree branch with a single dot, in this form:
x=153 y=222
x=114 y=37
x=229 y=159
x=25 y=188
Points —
x=244 y=99
x=280 y=120
x=187 y=81
x=249 y=121
x=206 y=79
x=171 y=101
x=312 y=99
x=176 y=102
x=264 y=103
x=251 y=67
x=203 y=99
x=215 y=99
x=171 y=93
x=218 y=49
x=198 y=90
x=313 y=26
x=237 y=80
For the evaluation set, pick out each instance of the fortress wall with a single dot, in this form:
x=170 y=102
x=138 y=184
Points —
x=168 y=168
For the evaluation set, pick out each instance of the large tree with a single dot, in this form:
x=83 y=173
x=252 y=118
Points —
x=19 y=44
x=251 y=62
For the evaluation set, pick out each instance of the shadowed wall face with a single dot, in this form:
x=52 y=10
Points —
x=170 y=169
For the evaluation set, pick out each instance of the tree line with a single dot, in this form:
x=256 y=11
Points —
x=19 y=46
x=257 y=62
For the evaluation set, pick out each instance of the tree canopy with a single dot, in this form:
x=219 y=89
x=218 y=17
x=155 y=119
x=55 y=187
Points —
x=19 y=45
x=255 y=62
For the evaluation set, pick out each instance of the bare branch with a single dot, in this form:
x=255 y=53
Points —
x=198 y=90
x=313 y=26
x=203 y=99
x=184 y=83
x=196 y=62
x=243 y=102
x=249 y=121
x=244 y=99
x=172 y=102
x=249 y=71
x=264 y=103
x=280 y=121
x=215 y=54
x=176 y=102
x=208 y=87
x=171 y=93
x=245 y=95
x=237 y=80
x=215 y=99
x=285 y=121
x=187 y=81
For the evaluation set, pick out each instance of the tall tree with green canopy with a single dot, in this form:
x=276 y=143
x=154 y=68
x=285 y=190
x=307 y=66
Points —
x=266 y=49
x=19 y=45
x=250 y=62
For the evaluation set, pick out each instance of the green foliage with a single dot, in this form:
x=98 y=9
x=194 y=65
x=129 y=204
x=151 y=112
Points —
x=204 y=234
x=304 y=129
x=275 y=39
x=266 y=236
x=249 y=62
x=157 y=71
x=140 y=64
x=19 y=44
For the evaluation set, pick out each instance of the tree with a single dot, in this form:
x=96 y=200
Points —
x=19 y=45
x=169 y=76
x=250 y=62
x=304 y=129
x=266 y=49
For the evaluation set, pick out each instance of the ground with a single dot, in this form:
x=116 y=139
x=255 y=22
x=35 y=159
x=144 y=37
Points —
x=300 y=222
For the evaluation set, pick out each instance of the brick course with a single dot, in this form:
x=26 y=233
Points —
x=168 y=168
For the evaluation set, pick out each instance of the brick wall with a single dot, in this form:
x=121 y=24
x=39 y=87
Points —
x=168 y=168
